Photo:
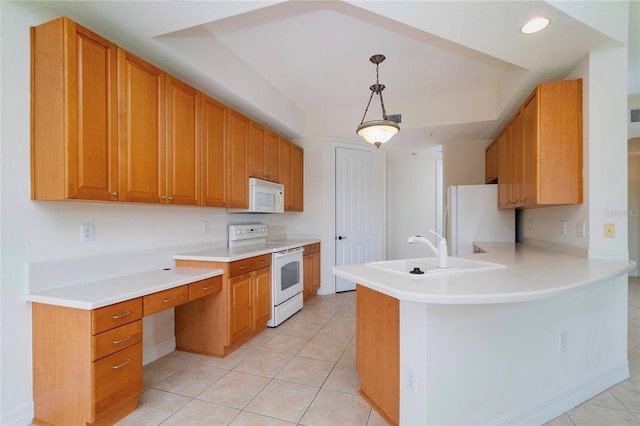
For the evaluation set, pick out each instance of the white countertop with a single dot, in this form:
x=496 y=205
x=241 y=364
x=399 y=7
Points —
x=230 y=254
x=96 y=294
x=531 y=273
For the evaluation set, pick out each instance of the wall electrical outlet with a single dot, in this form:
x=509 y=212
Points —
x=205 y=227
x=609 y=230
x=563 y=227
x=86 y=232
x=410 y=379
x=580 y=228
x=563 y=340
x=530 y=224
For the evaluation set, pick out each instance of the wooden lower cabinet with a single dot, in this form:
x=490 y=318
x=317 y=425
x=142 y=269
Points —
x=378 y=351
x=311 y=267
x=218 y=324
x=249 y=302
x=87 y=365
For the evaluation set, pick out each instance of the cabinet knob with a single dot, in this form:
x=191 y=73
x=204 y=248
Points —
x=163 y=197
x=115 y=194
x=170 y=198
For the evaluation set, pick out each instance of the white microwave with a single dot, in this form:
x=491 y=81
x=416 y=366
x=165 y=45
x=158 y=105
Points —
x=264 y=197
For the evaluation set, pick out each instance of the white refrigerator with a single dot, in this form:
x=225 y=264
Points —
x=472 y=215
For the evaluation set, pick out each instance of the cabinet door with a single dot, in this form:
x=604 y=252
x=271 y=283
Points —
x=213 y=165
x=271 y=157
x=237 y=175
x=74 y=113
x=296 y=178
x=141 y=136
x=183 y=143
x=284 y=158
x=93 y=174
x=491 y=163
x=262 y=296
x=517 y=160
x=256 y=151
x=503 y=171
x=240 y=306
x=530 y=141
x=560 y=153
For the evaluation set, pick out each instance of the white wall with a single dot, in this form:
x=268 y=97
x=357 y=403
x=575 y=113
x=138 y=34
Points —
x=463 y=163
x=412 y=199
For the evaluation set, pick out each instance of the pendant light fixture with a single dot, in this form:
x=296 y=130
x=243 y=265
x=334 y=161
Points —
x=377 y=132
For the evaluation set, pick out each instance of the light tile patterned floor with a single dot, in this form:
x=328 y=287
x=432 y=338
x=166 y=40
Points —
x=303 y=372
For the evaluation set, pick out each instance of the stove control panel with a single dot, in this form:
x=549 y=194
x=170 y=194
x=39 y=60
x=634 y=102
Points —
x=248 y=232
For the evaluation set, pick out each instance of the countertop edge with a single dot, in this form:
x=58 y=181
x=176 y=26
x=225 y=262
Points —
x=225 y=254
x=472 y=299
x=57 y=297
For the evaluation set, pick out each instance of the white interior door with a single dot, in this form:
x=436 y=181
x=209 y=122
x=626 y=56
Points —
x=354 y=205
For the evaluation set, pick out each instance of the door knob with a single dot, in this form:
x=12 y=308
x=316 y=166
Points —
x=340 y=237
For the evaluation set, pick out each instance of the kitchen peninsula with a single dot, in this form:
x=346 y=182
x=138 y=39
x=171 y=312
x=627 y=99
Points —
x=516 y=345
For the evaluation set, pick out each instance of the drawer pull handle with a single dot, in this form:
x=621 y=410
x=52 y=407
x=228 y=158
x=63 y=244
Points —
x=117 y=342
x=209 y=287
x=171 y=299
x=242 y=267
x=124 y=314
x=115 y=367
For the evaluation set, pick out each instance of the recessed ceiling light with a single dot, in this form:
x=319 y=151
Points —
x=534 y=25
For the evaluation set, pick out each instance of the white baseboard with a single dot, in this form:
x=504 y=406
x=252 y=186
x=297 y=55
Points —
x=20 y=416
x=158 y=350
x=554 y=406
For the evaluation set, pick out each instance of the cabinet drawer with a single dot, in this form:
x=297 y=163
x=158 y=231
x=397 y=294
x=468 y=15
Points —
x=250 y=264
x=115 y=315
x=205 y=287
x=311 y=248
x=166 y=299
x=111 y=341
x=117 y=378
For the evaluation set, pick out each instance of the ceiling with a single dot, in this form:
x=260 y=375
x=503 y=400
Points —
x=455 y=70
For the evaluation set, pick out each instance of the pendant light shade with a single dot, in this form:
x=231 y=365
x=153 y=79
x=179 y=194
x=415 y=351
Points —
x=377 y=132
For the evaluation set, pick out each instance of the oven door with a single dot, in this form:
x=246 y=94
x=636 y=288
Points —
x=287 y=274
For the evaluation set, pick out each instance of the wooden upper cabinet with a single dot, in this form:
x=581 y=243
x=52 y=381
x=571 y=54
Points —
x=213 y=125
x=236 y=156
x=106 y=125
x=284 y=170
x=263 y=153
x=491 y=163
x=142 y=157
x=556 y=131
x=297 y=178
x=183 y=143
x=271 y=158
x=540 y=150
x=257 y=151
x=503 y=170
x=291 y=170
x=530 y=136
x=73 y=113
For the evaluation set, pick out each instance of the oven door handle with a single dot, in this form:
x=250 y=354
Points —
x=288 y=252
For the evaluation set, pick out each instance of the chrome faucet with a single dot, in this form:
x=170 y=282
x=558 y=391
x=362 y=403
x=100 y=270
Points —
x=440 y=251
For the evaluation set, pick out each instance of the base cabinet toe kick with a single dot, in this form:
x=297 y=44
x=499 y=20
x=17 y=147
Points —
x=87 y=363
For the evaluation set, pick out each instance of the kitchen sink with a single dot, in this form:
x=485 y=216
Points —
x=412 y=268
